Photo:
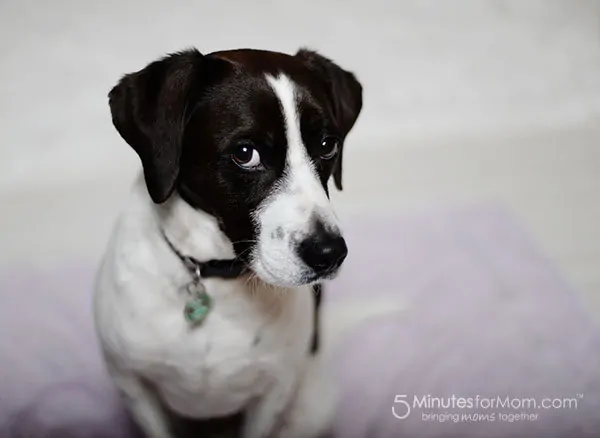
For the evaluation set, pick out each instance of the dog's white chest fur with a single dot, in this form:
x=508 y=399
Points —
x=253 y=338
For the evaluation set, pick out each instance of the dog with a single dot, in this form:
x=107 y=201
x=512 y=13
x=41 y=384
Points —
x=205 y=302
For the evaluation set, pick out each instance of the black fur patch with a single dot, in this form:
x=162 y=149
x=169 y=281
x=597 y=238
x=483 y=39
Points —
x=315 y=343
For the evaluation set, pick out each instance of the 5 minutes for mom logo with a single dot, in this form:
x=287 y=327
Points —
x=499 y=408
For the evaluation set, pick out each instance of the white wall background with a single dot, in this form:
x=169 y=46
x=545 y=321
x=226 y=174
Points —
x=465 y=101
x=431 y=69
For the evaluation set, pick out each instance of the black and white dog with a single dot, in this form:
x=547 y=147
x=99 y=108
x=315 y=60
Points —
x=204 y=302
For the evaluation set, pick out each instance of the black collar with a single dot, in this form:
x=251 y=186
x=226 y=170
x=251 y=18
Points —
x=222 y=268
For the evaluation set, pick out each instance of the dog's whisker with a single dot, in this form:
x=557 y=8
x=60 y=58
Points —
x=245 y=241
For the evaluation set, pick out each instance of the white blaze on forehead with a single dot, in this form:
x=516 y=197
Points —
x=285 y=216
x=301 y=175
x=286 y=93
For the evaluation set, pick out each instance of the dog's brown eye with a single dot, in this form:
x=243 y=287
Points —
x=246 y=157
x=329 y=147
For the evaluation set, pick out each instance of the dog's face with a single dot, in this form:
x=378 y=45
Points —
x=251 y=137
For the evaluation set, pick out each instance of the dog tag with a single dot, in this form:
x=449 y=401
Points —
x=197 y=308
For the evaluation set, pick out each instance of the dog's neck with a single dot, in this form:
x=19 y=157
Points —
x=193 y=232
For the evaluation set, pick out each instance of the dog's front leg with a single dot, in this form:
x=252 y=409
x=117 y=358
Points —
x=265 y=413
x=143 y=405
x=312 y=407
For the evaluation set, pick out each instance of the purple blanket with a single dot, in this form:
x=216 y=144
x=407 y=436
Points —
x=493 y=342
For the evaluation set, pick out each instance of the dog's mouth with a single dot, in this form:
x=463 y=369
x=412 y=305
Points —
x=292 y=276
x=313 y=278
x=326 y=274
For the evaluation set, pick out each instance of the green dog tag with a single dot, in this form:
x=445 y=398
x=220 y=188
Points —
x=197 y=309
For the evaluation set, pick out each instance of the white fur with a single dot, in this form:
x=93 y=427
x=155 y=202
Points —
x=285 y=217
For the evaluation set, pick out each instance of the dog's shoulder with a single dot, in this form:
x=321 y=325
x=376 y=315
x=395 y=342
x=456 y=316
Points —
x=129 y=283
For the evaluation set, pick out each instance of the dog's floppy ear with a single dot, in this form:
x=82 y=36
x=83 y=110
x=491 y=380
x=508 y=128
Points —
x=149 y=110
x=344 y=93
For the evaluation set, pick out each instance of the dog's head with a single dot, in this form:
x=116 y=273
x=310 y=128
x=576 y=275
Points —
x=251 y=137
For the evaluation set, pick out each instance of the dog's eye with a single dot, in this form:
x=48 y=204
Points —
x=246 y=157
x=329 y=147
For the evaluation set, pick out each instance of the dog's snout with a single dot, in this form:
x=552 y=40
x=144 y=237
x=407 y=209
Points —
x=323 y=251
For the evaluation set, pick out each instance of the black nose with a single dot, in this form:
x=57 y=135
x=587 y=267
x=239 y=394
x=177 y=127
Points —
x=323 y=251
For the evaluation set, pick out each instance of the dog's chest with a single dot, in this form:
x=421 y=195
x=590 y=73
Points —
x=248 y=340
